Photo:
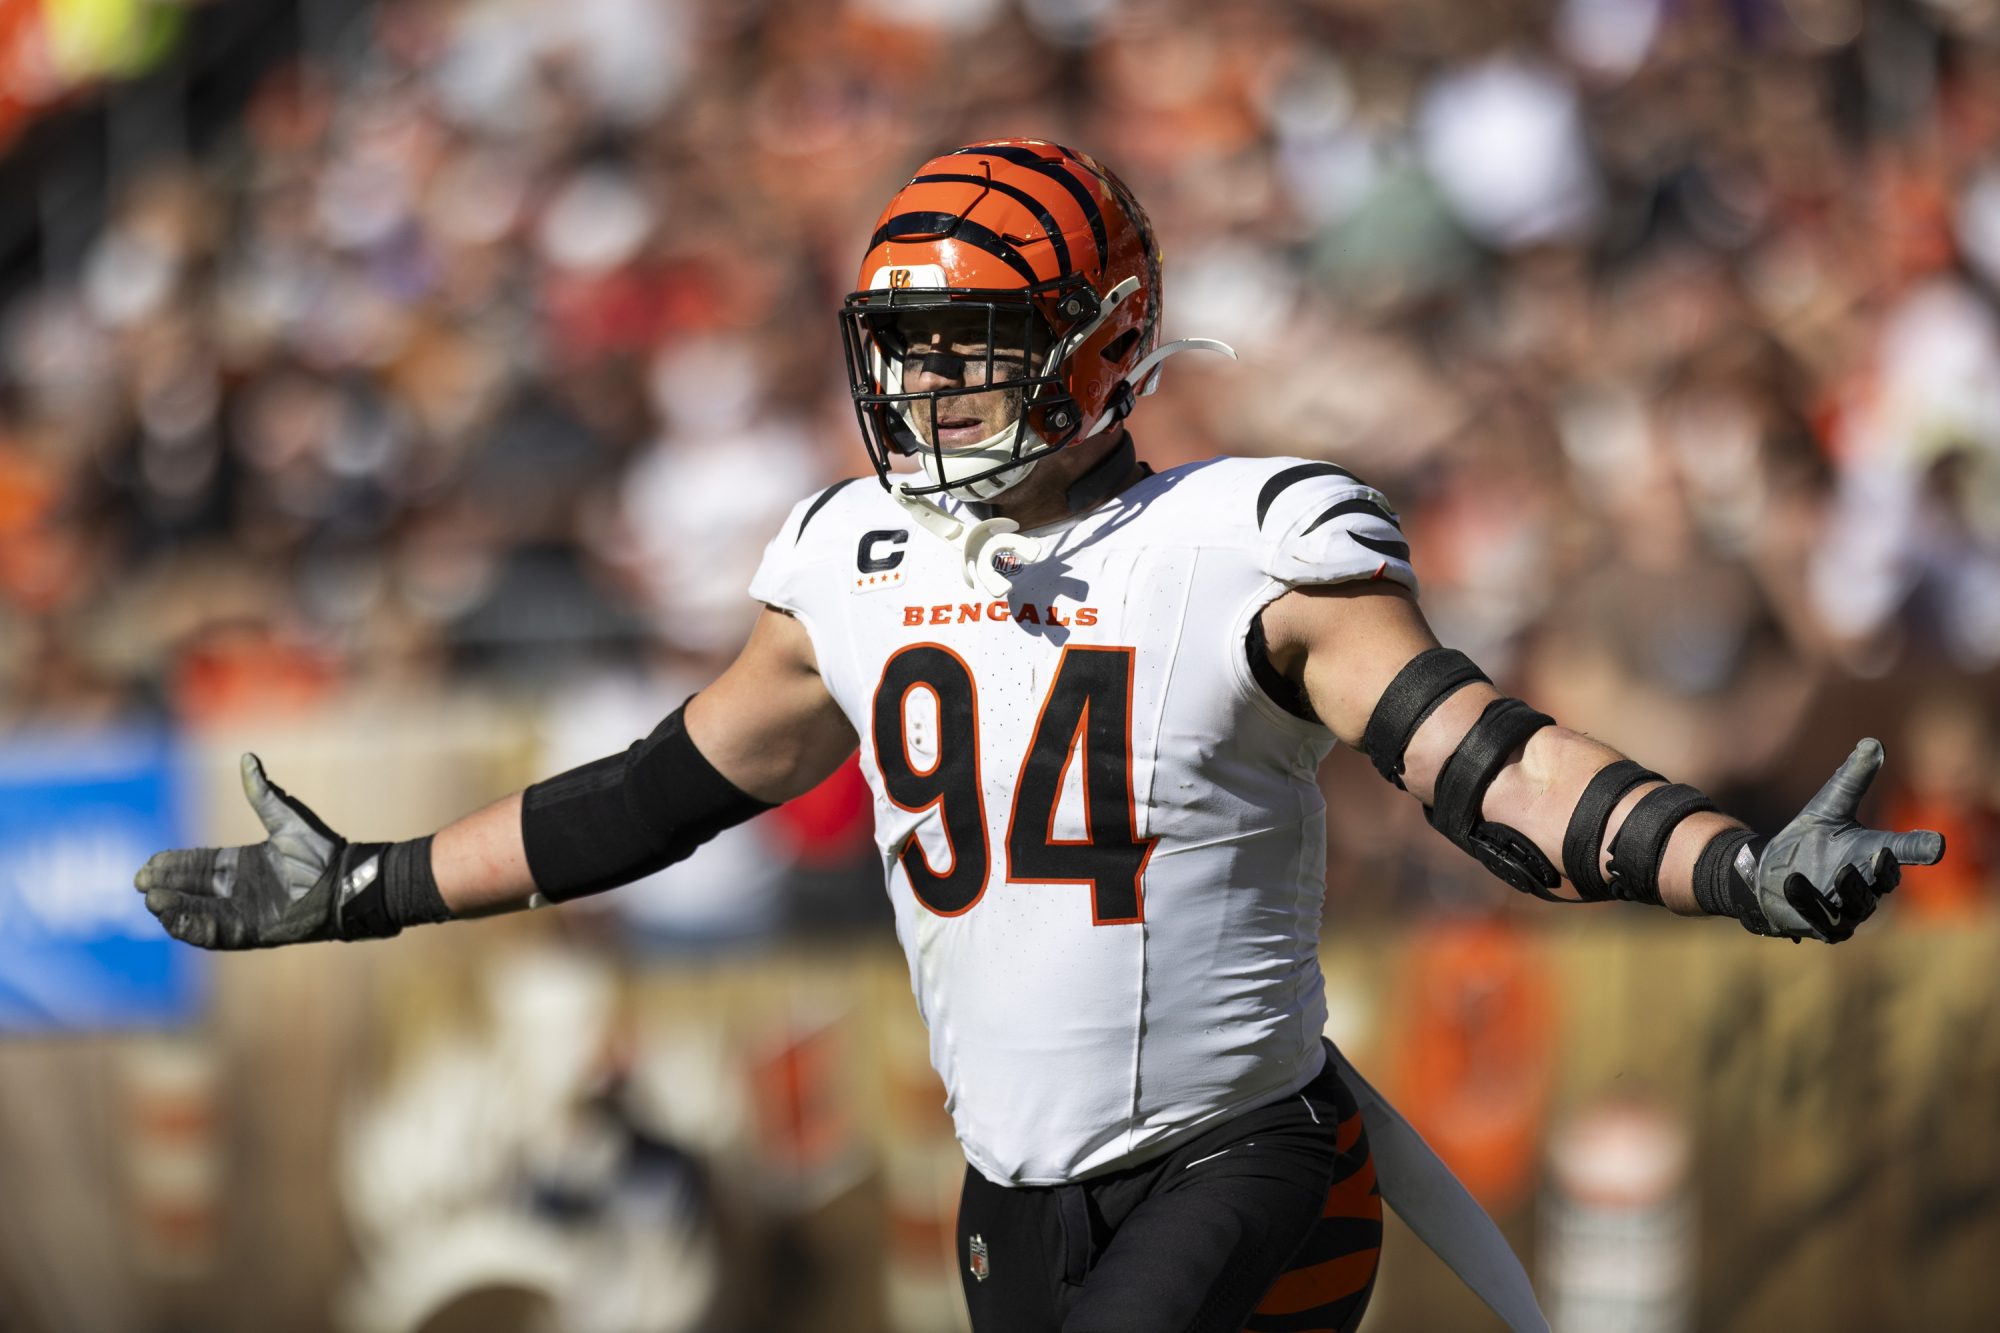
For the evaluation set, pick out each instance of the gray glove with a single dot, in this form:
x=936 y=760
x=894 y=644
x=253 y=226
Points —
x=1823 y=873
x=279 y=891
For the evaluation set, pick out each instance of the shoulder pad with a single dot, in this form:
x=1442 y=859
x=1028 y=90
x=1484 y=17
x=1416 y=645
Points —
x=1319 y=523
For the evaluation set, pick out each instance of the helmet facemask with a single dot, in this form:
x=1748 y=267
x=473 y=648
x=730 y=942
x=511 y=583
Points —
x=1003 y=403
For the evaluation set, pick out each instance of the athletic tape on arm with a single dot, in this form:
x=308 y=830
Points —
x=1462 y=783
x=1641 y=843
x=1583 y=840
x=1461 y=789
x=1425 y=682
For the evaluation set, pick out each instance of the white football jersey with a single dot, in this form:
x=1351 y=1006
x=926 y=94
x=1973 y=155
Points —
x=1105 y=844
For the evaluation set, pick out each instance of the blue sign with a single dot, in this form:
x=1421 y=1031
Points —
x=78 y=950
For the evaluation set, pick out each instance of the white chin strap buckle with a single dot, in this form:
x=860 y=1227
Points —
x=990 y=552
x=994 y=554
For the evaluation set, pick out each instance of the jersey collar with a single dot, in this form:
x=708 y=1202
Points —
x=1099 y=483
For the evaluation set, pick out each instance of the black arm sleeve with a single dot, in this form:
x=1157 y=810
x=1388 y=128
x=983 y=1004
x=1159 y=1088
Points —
x=625 y=816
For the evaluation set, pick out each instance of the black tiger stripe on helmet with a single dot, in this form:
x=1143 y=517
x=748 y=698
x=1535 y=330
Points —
x=1051 y=230
x=1061 y=174
x=949 y=226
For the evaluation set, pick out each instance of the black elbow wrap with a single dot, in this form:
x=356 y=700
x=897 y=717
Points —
x=1583 y=840
x=1461 y=787
x=1642 y=839
x=625 y=816
x=1425 y=681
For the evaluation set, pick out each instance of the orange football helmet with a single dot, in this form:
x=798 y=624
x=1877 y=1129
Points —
x=1055 y=256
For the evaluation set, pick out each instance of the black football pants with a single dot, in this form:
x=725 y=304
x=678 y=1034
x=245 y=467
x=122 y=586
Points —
x=1270 y=1224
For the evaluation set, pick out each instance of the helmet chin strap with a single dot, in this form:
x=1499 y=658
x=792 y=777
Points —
x=973 y=540
x=976 y=538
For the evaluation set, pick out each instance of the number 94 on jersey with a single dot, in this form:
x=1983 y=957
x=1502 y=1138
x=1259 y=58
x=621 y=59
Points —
x=1085 y=719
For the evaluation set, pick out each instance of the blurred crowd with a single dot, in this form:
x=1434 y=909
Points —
x=497 y=340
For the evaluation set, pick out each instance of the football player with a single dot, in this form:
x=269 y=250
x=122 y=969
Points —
x=1090 y=701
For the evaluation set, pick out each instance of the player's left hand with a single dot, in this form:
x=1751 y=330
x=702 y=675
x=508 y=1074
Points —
x=1823 y=873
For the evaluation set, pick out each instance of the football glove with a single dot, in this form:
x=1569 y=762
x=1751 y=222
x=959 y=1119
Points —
x=288 y=889
x=1824 y=873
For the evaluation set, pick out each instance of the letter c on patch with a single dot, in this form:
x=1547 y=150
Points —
x=866 y=558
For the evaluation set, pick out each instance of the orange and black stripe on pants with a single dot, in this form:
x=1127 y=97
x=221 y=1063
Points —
x=1327 y=1287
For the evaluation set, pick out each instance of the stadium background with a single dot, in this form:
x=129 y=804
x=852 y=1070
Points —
x=404 y=389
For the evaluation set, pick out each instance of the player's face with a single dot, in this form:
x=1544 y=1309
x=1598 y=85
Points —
x=961 y=349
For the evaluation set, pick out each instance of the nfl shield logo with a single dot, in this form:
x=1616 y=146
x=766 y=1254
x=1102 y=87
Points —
x=980 y=1267
x=1007 y=561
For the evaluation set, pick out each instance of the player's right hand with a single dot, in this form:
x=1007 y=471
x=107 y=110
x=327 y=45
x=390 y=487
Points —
x=279 y=891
